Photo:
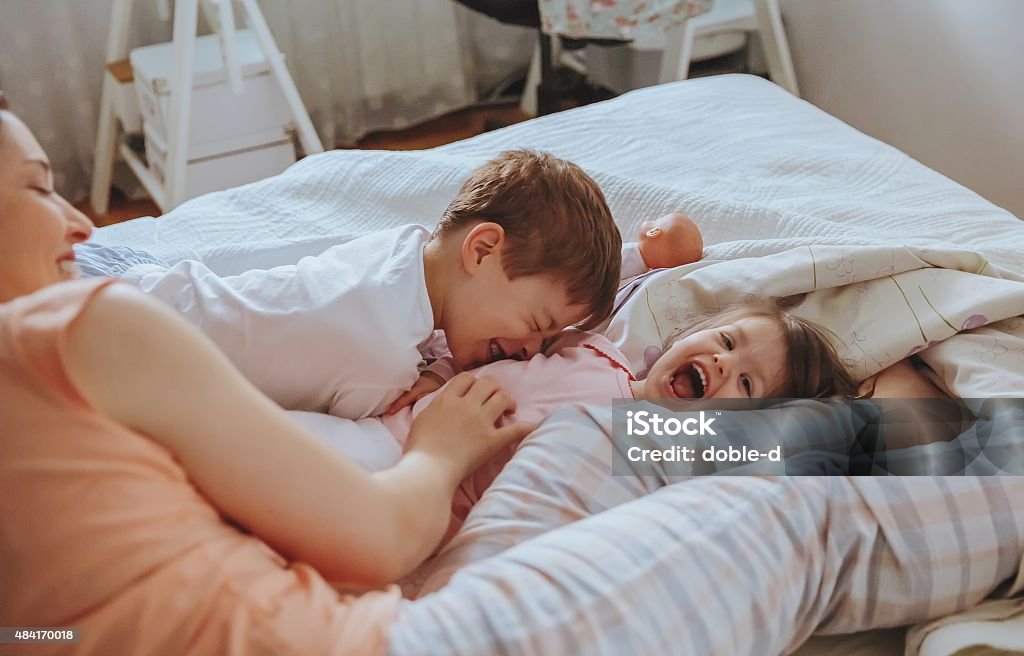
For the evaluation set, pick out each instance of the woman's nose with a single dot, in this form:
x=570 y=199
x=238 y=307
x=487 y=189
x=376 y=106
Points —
x=80 y=227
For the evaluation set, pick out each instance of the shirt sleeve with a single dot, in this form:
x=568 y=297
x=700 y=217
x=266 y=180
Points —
x=435 y=352
x=443 y=368
x=632 y=262
x=305 y=338
x=37 y=326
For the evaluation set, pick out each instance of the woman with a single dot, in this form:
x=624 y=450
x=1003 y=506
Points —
x=124 y=494
x=85 y=409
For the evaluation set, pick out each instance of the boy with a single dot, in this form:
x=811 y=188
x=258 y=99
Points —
x=669 y=241
x=527 y=247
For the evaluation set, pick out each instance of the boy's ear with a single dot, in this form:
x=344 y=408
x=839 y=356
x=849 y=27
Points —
x=483 y=239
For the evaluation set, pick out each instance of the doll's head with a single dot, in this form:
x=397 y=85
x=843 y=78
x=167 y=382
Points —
x=670 y=241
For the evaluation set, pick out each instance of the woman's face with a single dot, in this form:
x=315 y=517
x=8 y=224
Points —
x=37 y=227
x=745 y=359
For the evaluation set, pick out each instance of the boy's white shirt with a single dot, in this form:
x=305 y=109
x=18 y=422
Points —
x=341 y=332
x=337 y=333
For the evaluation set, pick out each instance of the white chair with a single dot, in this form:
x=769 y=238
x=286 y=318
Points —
x=759 y=16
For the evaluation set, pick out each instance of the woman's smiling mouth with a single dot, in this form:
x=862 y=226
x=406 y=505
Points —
x=67 y=264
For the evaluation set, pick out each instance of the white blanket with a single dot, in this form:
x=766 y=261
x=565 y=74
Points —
x=759 y=171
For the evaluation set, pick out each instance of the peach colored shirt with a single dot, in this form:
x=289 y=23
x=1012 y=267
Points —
x=103 y=531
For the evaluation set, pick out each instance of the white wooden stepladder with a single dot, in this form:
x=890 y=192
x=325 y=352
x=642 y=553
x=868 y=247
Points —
x=171 y=192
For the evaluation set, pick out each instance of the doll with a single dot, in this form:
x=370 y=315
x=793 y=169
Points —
x=671 y=241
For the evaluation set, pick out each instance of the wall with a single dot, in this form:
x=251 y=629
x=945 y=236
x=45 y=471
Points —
x=942 y=80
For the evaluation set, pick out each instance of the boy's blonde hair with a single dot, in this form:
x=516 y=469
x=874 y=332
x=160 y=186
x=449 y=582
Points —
x=556 y=223
x=813 y=368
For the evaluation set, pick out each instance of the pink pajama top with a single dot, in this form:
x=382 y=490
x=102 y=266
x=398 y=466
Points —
x=103 y=531
x=576 y=368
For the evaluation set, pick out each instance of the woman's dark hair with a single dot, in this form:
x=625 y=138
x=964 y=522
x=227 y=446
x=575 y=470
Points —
x=813 y=368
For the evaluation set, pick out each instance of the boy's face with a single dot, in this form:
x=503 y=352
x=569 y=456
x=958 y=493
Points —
x=489 y=317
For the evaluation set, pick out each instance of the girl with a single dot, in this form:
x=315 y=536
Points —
x=741 y=352
x=132 y=470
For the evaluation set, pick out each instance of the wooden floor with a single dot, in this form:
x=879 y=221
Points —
x=446 y=129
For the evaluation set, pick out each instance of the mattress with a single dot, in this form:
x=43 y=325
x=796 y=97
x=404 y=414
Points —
x=759 y=170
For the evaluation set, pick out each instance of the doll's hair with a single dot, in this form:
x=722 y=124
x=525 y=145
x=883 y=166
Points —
x=813 y=369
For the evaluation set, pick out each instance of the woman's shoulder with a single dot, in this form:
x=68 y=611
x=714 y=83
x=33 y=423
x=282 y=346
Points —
x=51 y=310
x=43 y=330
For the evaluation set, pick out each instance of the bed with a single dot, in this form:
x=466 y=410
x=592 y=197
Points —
x=765 y=175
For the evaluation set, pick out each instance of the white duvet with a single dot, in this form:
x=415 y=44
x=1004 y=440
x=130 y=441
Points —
x=760 y=171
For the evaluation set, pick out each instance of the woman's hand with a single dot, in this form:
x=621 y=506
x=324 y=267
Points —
x=459 y=428
x=142 y=366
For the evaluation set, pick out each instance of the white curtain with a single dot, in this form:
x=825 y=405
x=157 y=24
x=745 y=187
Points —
x=360 y=65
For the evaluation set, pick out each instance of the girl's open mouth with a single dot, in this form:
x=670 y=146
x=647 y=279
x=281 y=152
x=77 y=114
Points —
x=689 y=382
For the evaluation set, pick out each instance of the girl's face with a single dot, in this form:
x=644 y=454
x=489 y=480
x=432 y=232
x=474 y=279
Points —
x=37 y=226
x=745 y=359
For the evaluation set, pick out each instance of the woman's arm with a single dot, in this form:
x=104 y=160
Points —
x=914 y=422
x=143 y=366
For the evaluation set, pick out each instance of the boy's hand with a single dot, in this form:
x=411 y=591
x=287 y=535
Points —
x=427 y=383
x=459 y=428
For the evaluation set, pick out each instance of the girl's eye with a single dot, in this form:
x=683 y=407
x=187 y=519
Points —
x=727 y=341
x=43 y=190
x=747 y=385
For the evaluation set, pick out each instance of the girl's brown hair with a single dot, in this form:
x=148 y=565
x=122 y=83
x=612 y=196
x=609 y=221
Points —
x=813 y=368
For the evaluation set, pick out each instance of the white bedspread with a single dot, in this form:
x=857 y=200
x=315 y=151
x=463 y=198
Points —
x=758 y=170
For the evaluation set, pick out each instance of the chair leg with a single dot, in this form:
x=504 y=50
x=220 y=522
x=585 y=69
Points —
x=547 y=88
x=528 y=102
x=776 y=45
x=675 y=58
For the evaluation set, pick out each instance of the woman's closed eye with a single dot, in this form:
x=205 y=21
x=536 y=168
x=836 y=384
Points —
x=748 y=385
